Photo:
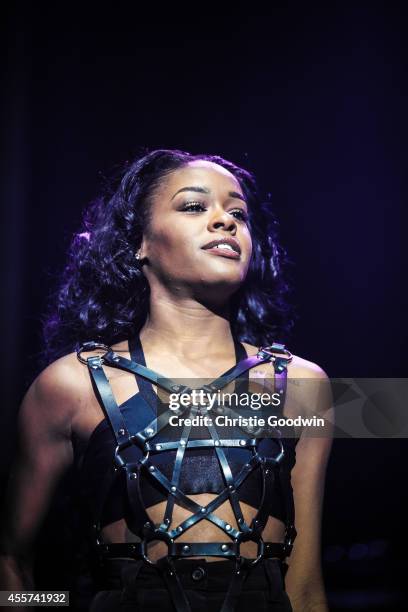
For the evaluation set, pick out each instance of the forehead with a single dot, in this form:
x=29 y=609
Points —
x=202 y=173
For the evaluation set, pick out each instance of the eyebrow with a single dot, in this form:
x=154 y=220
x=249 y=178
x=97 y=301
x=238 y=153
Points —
x=196 y=189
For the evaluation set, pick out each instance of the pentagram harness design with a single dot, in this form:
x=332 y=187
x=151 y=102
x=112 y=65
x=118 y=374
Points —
x=133 y=457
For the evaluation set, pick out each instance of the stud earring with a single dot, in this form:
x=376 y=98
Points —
x=139 y=264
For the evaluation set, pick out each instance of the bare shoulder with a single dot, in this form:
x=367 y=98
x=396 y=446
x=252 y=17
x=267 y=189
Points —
x=59 y=391
x=302 y=368
x=297 y=368
x=309 y=388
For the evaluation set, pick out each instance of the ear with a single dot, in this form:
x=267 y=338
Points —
x=141 y=252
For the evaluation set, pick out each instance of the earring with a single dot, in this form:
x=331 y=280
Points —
x=138 y=258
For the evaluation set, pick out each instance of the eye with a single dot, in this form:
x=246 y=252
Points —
x=193 y=206
x=239 y=213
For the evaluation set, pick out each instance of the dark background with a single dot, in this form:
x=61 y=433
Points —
x=313 y=99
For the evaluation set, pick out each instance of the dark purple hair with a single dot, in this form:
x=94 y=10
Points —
x=102 y=295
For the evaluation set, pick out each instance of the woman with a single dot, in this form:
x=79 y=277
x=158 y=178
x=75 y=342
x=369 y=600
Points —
x=179 y=272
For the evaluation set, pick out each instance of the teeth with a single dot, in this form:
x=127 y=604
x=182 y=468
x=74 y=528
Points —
x=223 y=245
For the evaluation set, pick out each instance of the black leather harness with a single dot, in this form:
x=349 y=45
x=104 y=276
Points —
x=137 y=518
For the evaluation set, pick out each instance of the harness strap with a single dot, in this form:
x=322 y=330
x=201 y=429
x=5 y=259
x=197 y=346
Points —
x=115 y=361
x=201 y=512
x=177 y=471
x=260 y=519
x=229 y=480
x=235 y=588
x=174 y=585
x=137 y=550
x=107 y=401
x=280 y=381
x=135 y=467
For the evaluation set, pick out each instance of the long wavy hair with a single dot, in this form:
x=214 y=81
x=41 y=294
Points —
x=102 y=294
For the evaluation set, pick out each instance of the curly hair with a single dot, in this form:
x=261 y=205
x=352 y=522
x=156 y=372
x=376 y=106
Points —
x=103 y=297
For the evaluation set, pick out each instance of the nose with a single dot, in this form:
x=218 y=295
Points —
x=221 y=219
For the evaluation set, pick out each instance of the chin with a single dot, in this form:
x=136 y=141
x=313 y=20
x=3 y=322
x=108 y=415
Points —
x=226 y=268
x=220 y=286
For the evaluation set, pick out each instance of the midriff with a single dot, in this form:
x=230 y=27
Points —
x=203 y=531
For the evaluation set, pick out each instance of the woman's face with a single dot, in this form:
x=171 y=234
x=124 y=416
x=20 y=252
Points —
x=195 y=209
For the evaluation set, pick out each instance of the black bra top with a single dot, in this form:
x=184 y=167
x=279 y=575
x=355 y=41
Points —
x=200 y=472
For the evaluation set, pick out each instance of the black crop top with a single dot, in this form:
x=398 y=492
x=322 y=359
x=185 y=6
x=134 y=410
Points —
x=103 y=492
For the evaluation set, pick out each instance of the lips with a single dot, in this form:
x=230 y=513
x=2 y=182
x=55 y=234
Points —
x=216 y=245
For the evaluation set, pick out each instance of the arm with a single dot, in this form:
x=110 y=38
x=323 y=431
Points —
x=44 y=453
x=304 y=582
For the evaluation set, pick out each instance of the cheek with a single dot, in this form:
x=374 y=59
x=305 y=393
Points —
x=162 y=236
x=170 y=247
x=247 y=242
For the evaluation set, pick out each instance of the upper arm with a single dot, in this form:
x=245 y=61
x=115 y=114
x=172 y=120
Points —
x=44 y=452
x=308 y=478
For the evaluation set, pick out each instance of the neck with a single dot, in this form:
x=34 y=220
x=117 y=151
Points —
x=187 y=327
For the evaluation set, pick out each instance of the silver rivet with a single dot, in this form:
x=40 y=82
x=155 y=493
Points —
x=94 y=367
x=149 y=431
x=133 y=476
x=182 y=442
x=213 y=387
x=240 y=520
x=173 y=488
x=228 y=527
x=217 y=443
x=176 y=387
x=266 y=471
x=186 y=548
x=179 y=528
x=242 y=442
x=121 y=432
x=202 y=509
x=158 y=446
x=224 y=547
x=167 y=521
x=151 y=468
x=147 y=524
x=116 y=358
x=230 y=487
